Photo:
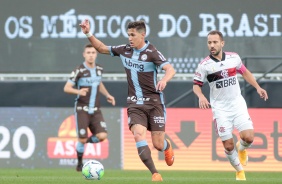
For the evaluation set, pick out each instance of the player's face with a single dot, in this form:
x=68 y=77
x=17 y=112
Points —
x=90 y=55
x=136 y=39
x=215 y=45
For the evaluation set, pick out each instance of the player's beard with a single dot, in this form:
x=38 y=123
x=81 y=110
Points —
x=215 y=54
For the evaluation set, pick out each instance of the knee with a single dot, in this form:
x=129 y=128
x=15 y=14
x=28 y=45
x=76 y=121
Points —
x=139 y=133
x=248 y=140
x=137 y=137
x=229 y=148
x=159 y=145
x=102 y=136
x=229 y=145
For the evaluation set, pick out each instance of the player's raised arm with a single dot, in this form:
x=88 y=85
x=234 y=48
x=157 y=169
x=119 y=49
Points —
x=97 y=44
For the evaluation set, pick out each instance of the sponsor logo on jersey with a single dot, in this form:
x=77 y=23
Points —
x=226 y=82
x=135 y=99
x=86 y=108
x=103 y=124
x=159 y=120
x=130 y=64
x=82 y=70
x=91 y=81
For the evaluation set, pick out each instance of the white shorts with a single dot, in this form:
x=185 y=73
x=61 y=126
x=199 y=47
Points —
x=224 y=125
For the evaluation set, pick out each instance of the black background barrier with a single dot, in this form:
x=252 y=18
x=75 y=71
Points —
x=50 y=94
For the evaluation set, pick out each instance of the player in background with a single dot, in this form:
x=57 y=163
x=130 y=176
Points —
x=146 y=109
x=86 y=82
x=229 y=108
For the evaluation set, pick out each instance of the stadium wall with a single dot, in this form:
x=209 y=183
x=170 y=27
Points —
x=50 y=94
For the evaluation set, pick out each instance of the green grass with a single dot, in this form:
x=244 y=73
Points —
x=69 y=176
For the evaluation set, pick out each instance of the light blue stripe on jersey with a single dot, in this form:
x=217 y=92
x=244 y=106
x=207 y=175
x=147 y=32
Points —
x=141 y=143
x=134 y=75
x=93 y=92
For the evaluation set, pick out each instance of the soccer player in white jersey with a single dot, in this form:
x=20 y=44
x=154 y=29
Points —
x=228 y=106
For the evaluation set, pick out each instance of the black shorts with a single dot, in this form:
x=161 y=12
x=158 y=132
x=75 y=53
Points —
x=95 y=122
x=153 y=117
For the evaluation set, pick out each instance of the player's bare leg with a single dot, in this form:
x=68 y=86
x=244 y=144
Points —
x=162 y=144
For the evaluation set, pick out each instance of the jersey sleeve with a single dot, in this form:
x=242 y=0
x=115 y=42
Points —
x=116 y=50
x=240 y=68
x=159 y=59
x=74 y=76
x=199 y=76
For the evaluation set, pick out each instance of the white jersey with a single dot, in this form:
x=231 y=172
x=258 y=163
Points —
x=225 y=93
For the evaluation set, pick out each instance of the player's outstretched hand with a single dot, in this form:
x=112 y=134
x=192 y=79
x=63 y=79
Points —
x=83 y=91
x=85 y=26
x=111 y=100
x=161 y=85
x=262 y=93
x=203 y=102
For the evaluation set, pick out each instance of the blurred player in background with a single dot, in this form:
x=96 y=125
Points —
x=228 y=105
x=146 y=109
x=85 y=82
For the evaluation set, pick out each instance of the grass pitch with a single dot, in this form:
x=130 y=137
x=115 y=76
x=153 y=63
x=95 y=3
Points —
x=69 y=176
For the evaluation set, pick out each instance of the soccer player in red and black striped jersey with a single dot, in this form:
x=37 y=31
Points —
x=86 y=82
x=146 y=109
x=228 y=105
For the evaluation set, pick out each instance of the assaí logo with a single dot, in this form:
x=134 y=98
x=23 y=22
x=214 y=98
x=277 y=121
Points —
x=64 y=146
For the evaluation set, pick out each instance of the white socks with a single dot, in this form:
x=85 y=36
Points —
x=244 y=145
x=233 y=159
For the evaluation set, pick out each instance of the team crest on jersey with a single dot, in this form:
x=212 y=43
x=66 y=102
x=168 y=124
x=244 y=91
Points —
x=99 y=73
x=144 y=57
x=224 y=73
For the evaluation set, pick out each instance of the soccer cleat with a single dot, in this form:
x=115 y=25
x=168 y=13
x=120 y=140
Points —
x=243 y=155
x=157 y=177
x=240 y=175
x=79 y=167
x=169 y=155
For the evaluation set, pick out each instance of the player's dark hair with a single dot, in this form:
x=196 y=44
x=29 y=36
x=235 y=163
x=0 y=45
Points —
x=88 y=46
x=138 y=25
x=216 y=32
